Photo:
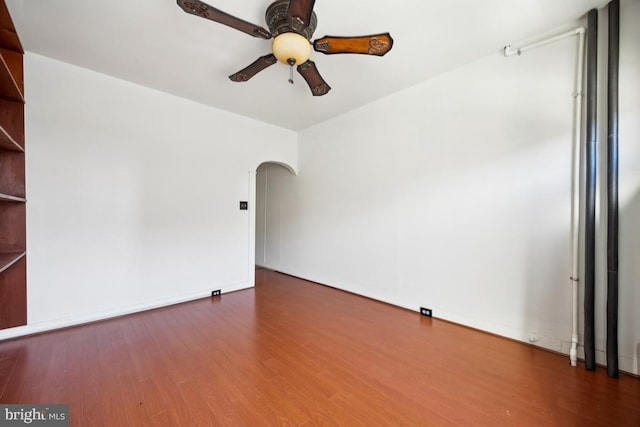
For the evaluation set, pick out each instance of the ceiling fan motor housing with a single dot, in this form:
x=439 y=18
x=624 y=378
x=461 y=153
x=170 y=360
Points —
x=276 y=17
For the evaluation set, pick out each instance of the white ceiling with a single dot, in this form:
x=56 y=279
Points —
x=155 y=44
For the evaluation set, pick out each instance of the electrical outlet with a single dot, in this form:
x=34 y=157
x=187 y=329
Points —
x=425 y=311
x=216 y=293
x=244 y=206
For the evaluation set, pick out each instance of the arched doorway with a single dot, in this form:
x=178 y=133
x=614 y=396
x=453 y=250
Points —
x=272 y=179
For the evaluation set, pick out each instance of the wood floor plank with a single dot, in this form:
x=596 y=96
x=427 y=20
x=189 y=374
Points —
x=8 y=359
x=293 y=353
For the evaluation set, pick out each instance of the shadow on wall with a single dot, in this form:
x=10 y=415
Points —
x=548 y=307
x=628 y=276
x=540 y=214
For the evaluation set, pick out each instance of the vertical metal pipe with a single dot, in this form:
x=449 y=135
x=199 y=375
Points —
x=612 y=189
x=576 y=179
x=590 y=191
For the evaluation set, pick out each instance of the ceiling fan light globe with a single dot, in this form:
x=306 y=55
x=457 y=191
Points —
x=288 y=46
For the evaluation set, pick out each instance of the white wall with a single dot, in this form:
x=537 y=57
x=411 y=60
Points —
x=133 y=195
x=455 y=195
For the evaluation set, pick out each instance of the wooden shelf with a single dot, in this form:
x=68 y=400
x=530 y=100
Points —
x=9 y=198
x=9 y=89
x=8 y=36
x=13 y=239
x=9 y=39
x=12 y=173
x=13 y=290
x=7 y=142
x=7 y=260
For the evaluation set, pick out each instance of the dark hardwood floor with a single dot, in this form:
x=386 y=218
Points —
x=293 y=353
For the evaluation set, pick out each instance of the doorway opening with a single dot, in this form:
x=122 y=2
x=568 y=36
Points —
x=273 y=182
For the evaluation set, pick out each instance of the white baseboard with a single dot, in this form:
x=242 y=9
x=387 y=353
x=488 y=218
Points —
x=626 y=364
x=37 y=328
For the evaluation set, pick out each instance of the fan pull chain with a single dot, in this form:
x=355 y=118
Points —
x=291 y=63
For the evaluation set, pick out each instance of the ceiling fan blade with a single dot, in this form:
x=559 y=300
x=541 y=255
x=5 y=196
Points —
x=253 y=69
x=315 y=81
x=198 y=8
x=299 y=14
x=375 y=44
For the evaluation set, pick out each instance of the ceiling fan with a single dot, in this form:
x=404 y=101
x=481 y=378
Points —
x=291 y=24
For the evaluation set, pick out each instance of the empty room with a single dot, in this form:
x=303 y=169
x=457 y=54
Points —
x=319 y=213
